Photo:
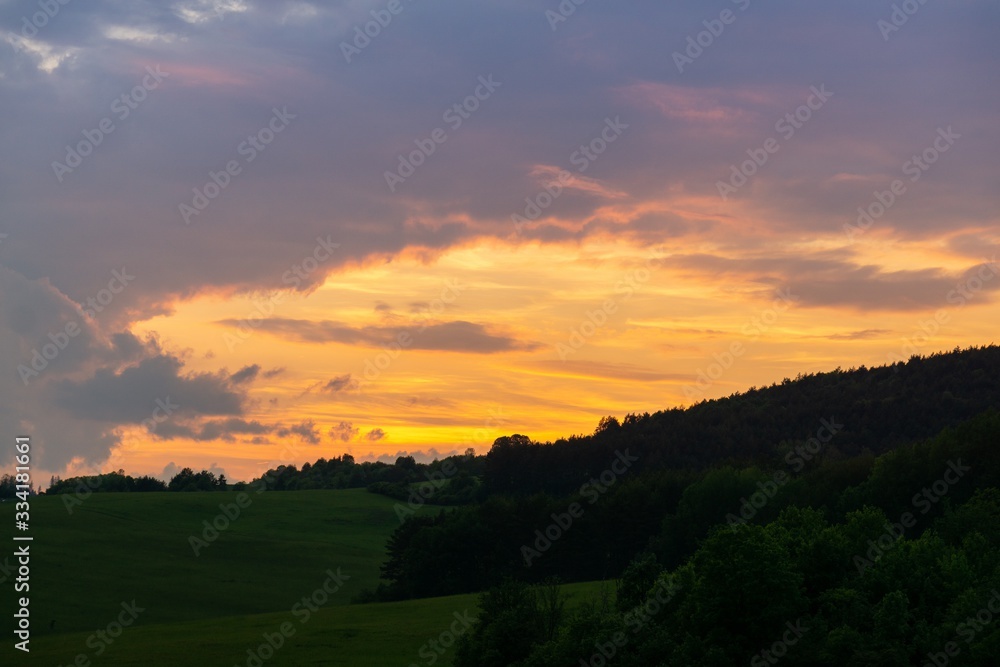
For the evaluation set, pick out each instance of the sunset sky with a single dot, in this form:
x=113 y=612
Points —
x=240 y=233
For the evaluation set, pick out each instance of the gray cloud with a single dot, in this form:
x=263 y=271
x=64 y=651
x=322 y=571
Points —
x=305 y=430
x=859 y=335
x=597 y=369
x=419 y=455
x=829 y=279
x=130 y=395
x=225 y=429
x=245 y=375
x=230 y=62
x=234 y=66
x=235 y=428
x=456 y=336
x=340 y=383
x=344 y=431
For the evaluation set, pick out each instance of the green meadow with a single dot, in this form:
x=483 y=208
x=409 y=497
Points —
x=212 y=608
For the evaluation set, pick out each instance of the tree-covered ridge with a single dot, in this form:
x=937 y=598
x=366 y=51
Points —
x=669 y=512
x=455 y=478
x=902 y=568
x=881 y=408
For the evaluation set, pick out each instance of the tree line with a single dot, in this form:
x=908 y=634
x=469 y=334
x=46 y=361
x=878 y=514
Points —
x=899 y=568
x=460 y=475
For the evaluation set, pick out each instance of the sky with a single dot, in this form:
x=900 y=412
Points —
x=236 y=233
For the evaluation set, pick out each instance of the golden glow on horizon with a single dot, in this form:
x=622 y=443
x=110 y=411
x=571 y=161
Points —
x=667 y=327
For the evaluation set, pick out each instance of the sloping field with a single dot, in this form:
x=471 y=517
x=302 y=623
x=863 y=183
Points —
x=117 y=582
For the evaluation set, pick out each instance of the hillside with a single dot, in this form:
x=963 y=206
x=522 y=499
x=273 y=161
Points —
x=117 y=547
x=120 y=547
x=824 y=435
x=344 y=636
x=879 y=408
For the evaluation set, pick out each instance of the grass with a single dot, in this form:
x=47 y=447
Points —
x=395 y=633
x=211 y=608
x=120 y=547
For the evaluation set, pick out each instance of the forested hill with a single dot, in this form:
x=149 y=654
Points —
x=878 y=409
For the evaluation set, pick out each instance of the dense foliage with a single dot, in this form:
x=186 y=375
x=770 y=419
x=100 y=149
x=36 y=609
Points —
x=8 y=487
x=902 y=568
x=112 y=482
x=455 y=479
x=881 y=408
x=843 y=518
x=458 y=473
x=808 y=443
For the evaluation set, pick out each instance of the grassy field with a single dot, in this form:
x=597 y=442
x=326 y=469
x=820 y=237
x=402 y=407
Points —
x=212 y=608
x=396 y=633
